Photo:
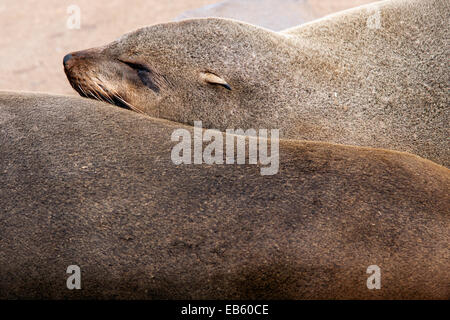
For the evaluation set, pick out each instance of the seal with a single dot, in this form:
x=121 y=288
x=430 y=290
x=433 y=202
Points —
x=109 y=199
x=371 y=76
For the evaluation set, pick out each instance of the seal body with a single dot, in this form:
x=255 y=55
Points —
x=372 y=76
x=108 y=199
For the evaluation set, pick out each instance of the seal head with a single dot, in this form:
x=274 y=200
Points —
x=205 y=66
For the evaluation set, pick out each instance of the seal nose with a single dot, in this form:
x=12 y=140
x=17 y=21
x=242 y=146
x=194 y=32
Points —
x=67 y=57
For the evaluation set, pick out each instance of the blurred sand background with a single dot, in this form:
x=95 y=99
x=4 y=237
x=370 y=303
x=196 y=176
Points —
x=34 y=36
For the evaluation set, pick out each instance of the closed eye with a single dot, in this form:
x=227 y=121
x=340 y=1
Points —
x=136 y=66
x=144 y=73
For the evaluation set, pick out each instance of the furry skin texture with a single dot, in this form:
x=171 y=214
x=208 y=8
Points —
x=89 y=184
x=337 y=79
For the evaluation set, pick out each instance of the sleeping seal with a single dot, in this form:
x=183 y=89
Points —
x=342 y=79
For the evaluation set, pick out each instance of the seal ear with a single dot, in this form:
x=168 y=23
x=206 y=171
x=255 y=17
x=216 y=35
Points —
x=213 y=79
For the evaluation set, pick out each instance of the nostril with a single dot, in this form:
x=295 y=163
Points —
x=67 y=58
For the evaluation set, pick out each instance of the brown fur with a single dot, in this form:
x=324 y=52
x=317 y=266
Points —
x=333 y=80
x=89 y=184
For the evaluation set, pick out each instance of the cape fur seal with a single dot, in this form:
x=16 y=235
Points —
x=109 y=199
x=338 y=79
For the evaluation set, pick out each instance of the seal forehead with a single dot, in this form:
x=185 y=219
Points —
x=201 y=39
x=200 y=29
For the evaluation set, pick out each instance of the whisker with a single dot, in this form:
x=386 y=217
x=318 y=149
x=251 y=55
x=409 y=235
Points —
x=128 y=104
x=104 y=94
x=96 y=95
x=94 y=89
x=82 y=90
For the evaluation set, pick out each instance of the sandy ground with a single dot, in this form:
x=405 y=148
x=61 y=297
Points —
x=274 y=15
x=34 y=36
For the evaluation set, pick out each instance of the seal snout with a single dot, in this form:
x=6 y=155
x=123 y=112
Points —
x=66 y=59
